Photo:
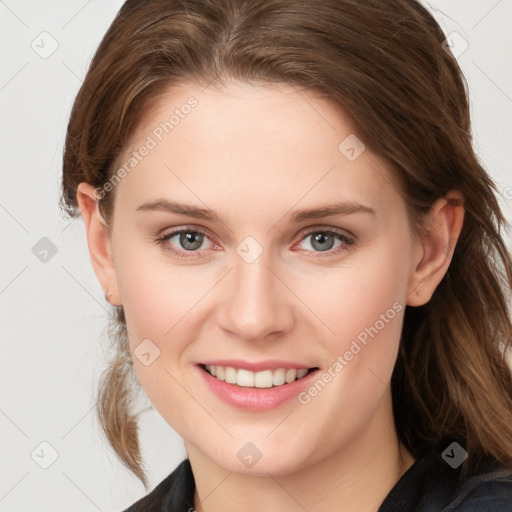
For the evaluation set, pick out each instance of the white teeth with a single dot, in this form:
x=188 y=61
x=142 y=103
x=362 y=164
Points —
x=279 y=377
x=291 y=375
x=301 y=373
x=263 y=379
x=245 y=378
x=230 y=375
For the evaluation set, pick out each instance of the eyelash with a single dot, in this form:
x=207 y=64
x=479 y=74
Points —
x=347 y=241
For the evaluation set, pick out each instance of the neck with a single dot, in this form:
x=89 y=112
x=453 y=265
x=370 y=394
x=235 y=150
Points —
x=358 y=475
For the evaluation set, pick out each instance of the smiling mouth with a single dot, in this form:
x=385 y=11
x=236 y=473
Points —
x=263 y=379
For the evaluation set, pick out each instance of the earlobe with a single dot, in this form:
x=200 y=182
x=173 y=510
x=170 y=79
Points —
x=98 y=241
x=435 y=248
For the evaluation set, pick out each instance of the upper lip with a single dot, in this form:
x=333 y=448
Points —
x=255 y=366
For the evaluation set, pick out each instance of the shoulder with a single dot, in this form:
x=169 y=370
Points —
x=175 y=492
x=431 y=485
x=490 y=492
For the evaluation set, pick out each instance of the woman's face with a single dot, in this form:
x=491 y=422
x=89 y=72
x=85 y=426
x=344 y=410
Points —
x=256 y=284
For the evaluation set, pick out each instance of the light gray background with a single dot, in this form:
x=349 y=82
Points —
x=53 y=314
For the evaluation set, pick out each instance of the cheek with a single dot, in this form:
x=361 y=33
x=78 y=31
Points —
x=158 y=301
x=156 y=294
x=366 y=292
x=363 y=303
x=163 y=303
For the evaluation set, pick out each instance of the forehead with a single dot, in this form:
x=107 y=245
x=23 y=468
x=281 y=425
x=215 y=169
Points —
x=248 y=143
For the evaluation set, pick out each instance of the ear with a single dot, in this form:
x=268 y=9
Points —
x=100 y=249
x=434 y=250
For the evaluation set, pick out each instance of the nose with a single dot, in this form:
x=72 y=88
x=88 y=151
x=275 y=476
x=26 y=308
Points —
x=255 y=301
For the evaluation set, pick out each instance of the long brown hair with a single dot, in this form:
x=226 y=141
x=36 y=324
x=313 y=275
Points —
x=383 y=64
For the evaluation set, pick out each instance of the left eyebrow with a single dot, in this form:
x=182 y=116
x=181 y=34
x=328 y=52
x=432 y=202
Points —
x=344 y=208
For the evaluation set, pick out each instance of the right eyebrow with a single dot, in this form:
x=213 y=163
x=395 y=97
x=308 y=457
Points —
x=181 y=209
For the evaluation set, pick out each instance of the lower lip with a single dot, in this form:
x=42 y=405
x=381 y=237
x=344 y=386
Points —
x=256 y=399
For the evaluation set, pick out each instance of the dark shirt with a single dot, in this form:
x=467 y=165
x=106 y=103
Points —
x=429 y=485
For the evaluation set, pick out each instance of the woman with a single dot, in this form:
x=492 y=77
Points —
x=304 y=256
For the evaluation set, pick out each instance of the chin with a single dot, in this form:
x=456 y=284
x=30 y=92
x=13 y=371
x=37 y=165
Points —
x=249 y=460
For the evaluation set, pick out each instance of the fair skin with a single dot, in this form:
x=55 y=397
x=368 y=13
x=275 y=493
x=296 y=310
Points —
x=254 y=154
